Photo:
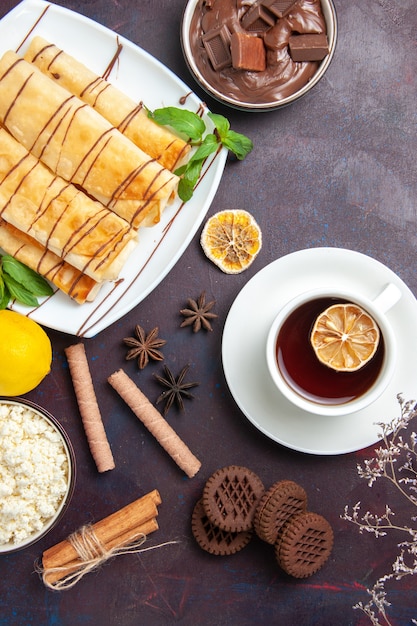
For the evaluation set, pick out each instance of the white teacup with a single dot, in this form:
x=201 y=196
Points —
x=374 y=380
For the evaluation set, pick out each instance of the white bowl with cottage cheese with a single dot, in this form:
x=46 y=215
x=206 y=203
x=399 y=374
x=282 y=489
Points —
x=37 y=473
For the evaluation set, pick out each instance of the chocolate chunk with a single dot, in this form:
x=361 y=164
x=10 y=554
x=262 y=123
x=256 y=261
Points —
x=308 y=47
x=257 y=20
x=217 y=45
x=248 y=52
x=280 y=8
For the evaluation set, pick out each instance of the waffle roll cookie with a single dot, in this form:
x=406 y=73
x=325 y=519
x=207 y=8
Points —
x=79 y=145
x=121 y=111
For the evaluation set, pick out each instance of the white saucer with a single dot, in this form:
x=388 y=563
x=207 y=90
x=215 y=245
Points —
x=244 y=361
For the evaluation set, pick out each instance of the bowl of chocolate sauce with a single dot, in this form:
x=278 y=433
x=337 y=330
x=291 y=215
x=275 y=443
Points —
x=258 y=55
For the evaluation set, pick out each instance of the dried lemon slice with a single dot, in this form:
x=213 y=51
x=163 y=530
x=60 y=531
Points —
x=232 y=240
x=345 y=337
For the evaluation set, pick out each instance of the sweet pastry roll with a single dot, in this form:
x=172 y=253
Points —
x=60 y=216
x=79 y=145
x=121 y=111
x=68 y=279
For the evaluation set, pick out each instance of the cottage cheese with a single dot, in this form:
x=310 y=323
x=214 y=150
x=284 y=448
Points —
x=33 y=473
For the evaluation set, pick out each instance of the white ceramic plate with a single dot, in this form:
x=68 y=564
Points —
x=244 y=359
x=142 y=77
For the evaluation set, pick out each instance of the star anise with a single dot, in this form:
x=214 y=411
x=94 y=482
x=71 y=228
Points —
x=199 y=313
x=176 y=388
x=144 y=346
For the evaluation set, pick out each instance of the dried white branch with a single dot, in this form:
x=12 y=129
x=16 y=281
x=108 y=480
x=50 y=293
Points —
x=396 y=461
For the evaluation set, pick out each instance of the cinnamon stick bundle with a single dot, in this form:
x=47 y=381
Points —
x=89 y=409
x=119 y=529
x=155 y=423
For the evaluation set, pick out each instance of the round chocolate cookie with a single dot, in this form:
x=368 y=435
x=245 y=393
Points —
x=230 y=498
x=304 y=544
x=283 y=500
x=214 y=540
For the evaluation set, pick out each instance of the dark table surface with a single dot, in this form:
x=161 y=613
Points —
x=335 y=169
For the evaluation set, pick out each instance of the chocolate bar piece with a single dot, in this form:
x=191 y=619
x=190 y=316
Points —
x=217 y=45
x=257 y=20
x=248 y=52
x=308 y=47
x=280 y=8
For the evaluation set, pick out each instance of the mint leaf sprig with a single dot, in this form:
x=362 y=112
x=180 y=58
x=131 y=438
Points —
x=20 y=283
x=193 y=127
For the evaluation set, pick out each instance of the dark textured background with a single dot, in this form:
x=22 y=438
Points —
x=335 y=169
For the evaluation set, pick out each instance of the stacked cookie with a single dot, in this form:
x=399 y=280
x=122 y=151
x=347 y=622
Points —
x=222 y=520
x=235 y=504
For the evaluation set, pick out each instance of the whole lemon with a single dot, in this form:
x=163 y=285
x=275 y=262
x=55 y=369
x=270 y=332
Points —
x=25 y=354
